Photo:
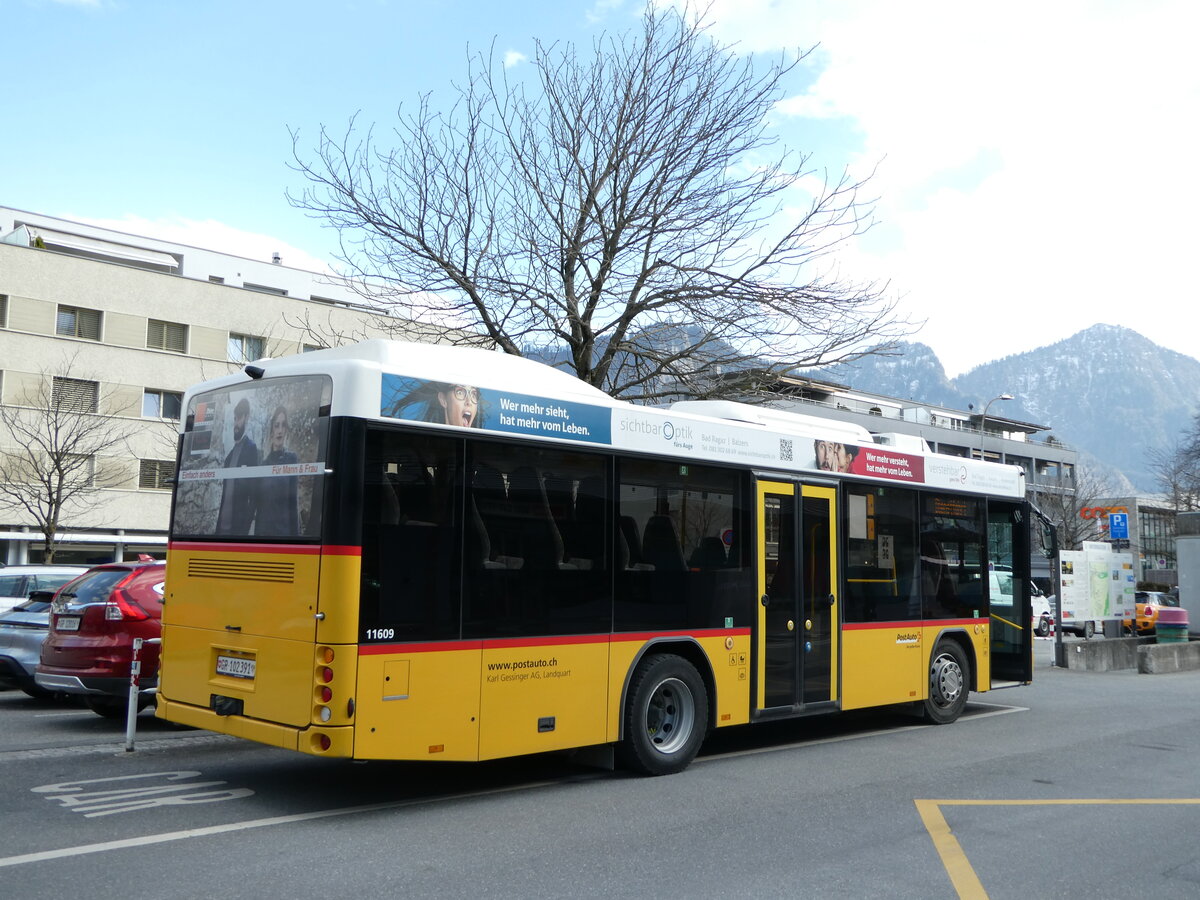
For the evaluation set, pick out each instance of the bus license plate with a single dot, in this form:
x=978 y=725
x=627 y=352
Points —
x=235 y=666
x=67 y=623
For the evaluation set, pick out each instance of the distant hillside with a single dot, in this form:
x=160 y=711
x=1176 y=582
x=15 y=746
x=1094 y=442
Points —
x=1107 y=391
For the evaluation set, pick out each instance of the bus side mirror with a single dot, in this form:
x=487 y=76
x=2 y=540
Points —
x=1048 y=538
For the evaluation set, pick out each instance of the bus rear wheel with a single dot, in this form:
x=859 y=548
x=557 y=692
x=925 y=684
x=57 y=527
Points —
x=666 y=716
x=949 y=683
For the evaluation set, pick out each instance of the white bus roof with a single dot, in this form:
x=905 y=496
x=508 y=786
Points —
x=395 y=380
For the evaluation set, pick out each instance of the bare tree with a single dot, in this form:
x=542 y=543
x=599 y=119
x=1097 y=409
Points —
x=625 y=214
x=52 y=440
x=1063 y=504
x=1177 y=469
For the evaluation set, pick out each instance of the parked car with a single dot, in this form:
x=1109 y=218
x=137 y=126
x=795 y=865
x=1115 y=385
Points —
x=22 y=631
x=18 y=582
x=1086 y=629
x=1149 y=604
x=93 y=623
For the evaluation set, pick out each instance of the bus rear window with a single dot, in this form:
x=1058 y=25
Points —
x=253 y=460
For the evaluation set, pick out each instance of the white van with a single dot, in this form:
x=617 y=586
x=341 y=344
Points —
x=1000 y=583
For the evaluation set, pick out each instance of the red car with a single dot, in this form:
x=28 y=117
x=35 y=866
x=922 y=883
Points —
x=93 y=623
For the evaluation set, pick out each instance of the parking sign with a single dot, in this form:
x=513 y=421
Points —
x=1118 y=526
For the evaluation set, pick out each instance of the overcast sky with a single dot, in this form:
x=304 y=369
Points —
x=1036 y=162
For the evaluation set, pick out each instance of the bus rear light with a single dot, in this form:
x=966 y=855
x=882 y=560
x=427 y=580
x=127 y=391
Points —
x=321 y=742
x=325 y=674
x=326 y=695
x=324 y=713
x=325 y=655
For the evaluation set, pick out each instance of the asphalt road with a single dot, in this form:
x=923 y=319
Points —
x=1081 y=785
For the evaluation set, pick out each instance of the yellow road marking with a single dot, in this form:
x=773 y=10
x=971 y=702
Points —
x=962 y=876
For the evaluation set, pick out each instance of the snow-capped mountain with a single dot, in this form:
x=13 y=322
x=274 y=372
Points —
x=1109 y=392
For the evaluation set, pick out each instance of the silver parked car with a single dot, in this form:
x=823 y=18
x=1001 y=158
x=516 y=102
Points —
x=22 y=631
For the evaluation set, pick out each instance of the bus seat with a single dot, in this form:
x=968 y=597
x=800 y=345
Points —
x=584 y=540
x=491 y=501
x=540 y=543
x=629 y=544
x=660 y=545
x=560 y=498
x=478 y=546
x=389 y=503
x=709 y=554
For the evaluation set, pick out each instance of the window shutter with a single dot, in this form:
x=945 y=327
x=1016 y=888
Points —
x=75 y=395
x=156 y=474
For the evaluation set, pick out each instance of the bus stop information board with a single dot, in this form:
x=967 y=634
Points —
x=1096 y=584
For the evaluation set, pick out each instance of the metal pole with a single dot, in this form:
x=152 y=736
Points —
x=983 y=419
x=135 y=676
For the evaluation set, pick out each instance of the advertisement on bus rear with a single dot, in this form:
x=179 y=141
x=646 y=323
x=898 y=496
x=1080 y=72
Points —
x=253 y=460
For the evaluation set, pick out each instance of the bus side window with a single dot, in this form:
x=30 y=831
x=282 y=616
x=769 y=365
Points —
x=411 y=535
x=543 y=513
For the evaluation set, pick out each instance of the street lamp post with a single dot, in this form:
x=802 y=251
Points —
x=983 y=420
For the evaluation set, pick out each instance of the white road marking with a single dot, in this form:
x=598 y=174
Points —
x=168 y=836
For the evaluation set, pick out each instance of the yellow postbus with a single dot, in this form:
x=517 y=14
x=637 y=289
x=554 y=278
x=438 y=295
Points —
x=406 y=551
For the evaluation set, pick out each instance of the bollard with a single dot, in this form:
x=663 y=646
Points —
x=135 y=675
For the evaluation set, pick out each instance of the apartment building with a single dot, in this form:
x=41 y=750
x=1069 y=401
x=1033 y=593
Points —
x=119 y=325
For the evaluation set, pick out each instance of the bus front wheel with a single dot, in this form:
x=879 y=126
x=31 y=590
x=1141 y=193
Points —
x=666 y=716
x=949 y=683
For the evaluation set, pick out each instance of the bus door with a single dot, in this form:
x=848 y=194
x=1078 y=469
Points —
x=797 y=634
x=1010 y=618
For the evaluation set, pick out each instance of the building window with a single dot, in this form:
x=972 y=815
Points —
x=74 y=321
x=309 y=348
x=156 y=474
x=166 y=336
x=75 y=395
x=1047 y=468
x=216 y=279
x=161 y=404
x=3 y=310
x=243 y=348
x=264 y=289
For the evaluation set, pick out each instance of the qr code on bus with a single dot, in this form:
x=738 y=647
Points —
x=785 y=449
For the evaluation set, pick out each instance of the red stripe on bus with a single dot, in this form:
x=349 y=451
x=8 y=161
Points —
x=553 y=641
x=911 y=623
